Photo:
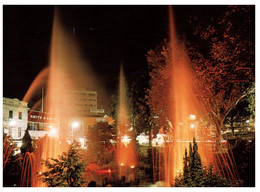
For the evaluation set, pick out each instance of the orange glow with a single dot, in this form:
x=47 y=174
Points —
x=183 y=103
x=125 y=154
x=185 y=110
x=67 y=71
x=53 y=132
x=75 y=124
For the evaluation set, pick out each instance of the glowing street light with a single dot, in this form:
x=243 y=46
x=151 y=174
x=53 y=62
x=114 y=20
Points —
x=132 y=172
x=75 y=124
x=192 y=117
x=121 y=169
x=53 y=132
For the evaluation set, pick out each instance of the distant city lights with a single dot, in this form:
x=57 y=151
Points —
x=159 y=140
x=192 y=117
x=142 y=139
x=126 y=140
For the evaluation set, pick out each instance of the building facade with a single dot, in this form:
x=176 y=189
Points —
x=83 y=114
x=15 y=118
x=84 y=102
x=40 y=124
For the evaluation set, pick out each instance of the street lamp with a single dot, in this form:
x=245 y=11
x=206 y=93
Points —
x=53 y=132
x=74 y=125
x=192 y=117
x=121 y=170
x=132 y=172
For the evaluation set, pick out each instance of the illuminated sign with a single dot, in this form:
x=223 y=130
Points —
x=97 y=110
x=36 y=116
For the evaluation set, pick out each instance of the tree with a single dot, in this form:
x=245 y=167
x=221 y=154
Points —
x=114 y=103
x=238 y=115
x=195 y=175
x=27 y=143
x=140 y=111
x=212 y=179
x=223 y=56
x=243 y=151
x=66 y=171
x=196 y=170
x=159 y=85
x=250 y=98
x=100 y=147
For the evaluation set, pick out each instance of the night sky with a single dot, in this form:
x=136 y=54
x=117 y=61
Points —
x=107 y=35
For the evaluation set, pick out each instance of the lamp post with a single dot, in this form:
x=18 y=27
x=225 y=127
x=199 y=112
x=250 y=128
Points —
x=74 y=125
x=132 y=172
x=121 y=170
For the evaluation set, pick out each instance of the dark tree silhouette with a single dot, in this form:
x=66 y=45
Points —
x=27 y=143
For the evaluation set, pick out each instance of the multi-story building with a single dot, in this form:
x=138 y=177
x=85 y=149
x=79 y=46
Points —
x=15 y=118
x=84 y=102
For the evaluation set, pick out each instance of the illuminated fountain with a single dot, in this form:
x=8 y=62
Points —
x=158 y=148
x=29 y=171
x=186 y=111
x=66 y=72
x=126 y=153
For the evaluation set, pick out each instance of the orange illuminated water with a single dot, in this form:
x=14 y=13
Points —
x=126 y=153
x=186 y=111
x=67 y=71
